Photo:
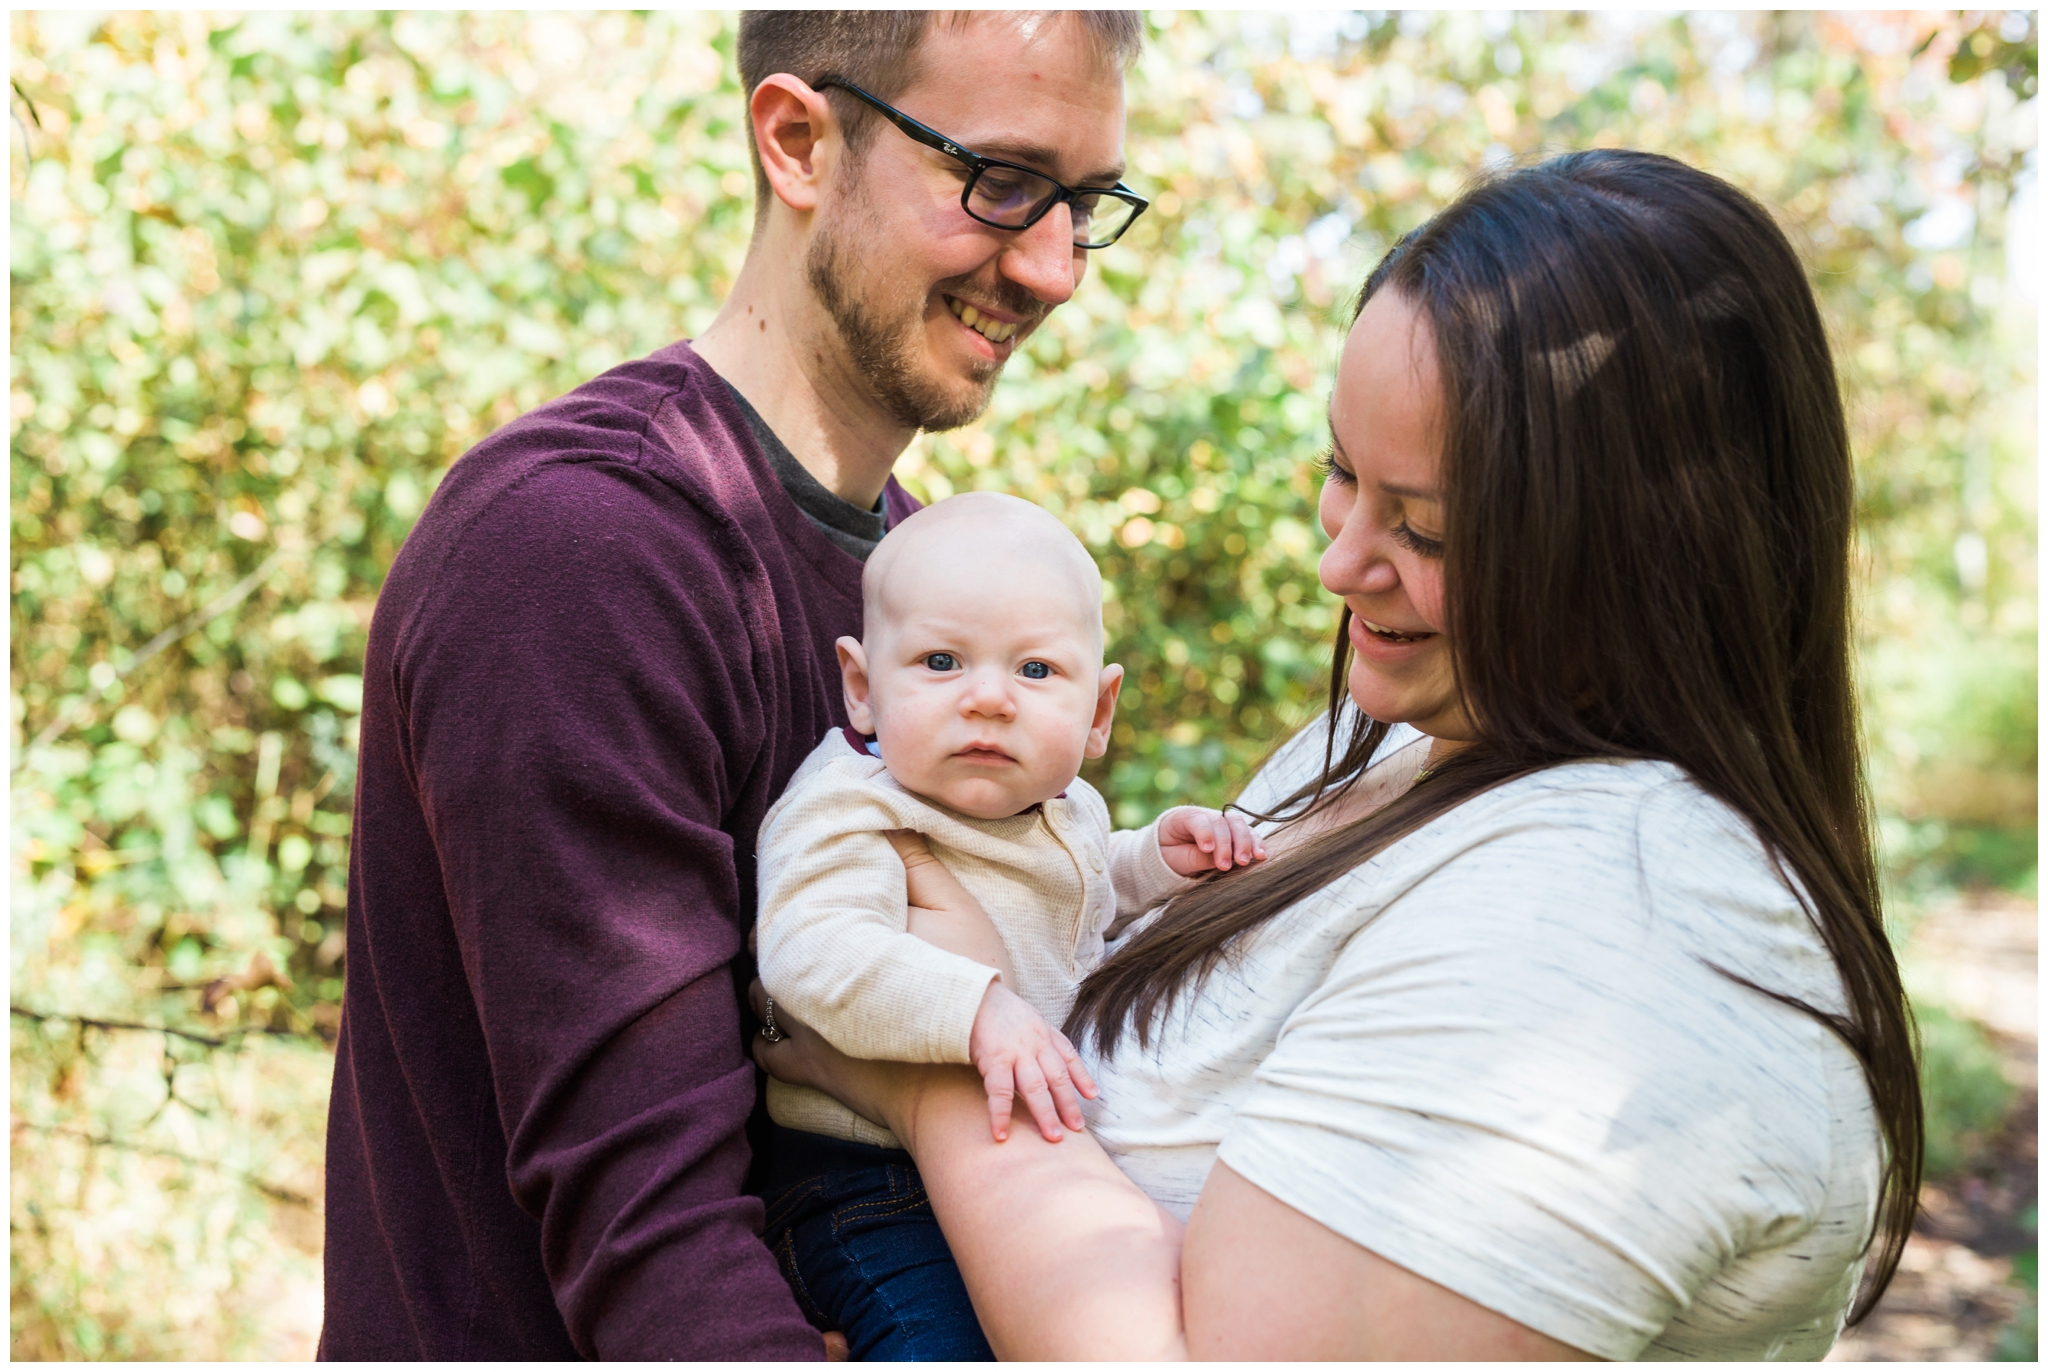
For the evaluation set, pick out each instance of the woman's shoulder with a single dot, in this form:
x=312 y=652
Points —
x=1621 y=849
x=1297 y=761
x=1628 y=810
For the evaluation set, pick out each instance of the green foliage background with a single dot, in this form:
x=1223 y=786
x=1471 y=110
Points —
x=272 y=274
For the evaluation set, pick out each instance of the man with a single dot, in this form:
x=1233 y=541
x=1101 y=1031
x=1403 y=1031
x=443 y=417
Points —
x=598 y=659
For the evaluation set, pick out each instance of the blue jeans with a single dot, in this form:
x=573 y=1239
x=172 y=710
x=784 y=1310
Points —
x=859 y=1245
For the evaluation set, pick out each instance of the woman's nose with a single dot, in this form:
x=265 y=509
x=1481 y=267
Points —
x=1353 y=566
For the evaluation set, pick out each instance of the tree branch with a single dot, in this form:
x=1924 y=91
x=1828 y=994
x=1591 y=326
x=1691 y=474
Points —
x=226 y=1039
x=249 y=1179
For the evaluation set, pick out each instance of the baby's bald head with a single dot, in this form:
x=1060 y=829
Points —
x=987 y=546
x=979 y=669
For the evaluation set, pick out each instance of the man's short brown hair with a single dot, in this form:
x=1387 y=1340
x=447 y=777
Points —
x=877 y=51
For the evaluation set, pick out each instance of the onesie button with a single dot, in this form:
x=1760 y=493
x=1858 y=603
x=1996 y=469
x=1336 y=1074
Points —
x=1095 y=860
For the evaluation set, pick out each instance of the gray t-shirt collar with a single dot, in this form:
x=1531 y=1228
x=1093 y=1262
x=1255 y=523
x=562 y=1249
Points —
x=854 y=530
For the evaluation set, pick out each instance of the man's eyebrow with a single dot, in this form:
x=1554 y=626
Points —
x=1040 y=155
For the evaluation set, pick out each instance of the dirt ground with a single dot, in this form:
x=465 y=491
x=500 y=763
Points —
x=1954 y=1295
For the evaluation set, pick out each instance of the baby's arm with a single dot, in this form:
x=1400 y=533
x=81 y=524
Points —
x=1014 y=1049
x=1148 y=865
x=834 y=946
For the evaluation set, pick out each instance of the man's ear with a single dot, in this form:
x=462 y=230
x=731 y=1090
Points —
x=853 y=676
x=1110 y=682
x=796 y=137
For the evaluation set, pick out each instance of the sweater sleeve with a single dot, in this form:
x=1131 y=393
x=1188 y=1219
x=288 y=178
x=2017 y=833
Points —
x=1139 y=872
x=579 y=706
x=835 y=947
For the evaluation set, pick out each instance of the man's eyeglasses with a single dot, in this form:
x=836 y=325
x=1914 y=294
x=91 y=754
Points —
x=1007 y=196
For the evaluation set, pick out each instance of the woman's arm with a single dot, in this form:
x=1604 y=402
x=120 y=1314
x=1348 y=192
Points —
x=1066 y=1259
x=1264 y=1282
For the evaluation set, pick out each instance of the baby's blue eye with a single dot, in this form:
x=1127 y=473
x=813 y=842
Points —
x=941 y=662
x=1037 y=671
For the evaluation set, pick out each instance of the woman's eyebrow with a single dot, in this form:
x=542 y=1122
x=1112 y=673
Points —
x=1409 y=492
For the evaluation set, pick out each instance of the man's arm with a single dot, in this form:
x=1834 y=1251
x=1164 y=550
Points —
x=581 y=711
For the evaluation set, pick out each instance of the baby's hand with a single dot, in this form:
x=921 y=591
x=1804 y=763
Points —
x=1019 y=1054
x=1194 y=840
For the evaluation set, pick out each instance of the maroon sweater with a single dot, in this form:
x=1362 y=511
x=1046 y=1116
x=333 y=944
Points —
x=597 y=660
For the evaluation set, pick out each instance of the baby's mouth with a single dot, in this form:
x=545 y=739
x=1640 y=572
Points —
x=994 y=330
x=1381 y=631
x=984 y=753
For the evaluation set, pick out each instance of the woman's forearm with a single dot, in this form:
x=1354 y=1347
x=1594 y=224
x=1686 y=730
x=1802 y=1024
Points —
x=1064 y=1257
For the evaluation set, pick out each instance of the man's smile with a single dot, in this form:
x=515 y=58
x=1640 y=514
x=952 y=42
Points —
x=988 y=324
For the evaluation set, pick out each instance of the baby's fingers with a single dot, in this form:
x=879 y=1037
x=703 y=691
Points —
x=1063 y=1090
x=1248 y=846
x=1077 y=1069
x=1002 y=1097
x=1218 y=840
x=1031 y=1084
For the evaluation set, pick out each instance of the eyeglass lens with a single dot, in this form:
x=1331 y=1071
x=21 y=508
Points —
x=1009 y=197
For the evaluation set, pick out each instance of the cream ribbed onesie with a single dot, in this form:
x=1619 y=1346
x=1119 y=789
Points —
x=835 y=948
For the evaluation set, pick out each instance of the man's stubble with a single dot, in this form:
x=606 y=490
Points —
x=883 y=326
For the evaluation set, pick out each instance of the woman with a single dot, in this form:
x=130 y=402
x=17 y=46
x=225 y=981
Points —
x=1588 y=1041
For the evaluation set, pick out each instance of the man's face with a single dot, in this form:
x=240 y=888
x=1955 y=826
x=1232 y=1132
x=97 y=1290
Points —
x=897 y=262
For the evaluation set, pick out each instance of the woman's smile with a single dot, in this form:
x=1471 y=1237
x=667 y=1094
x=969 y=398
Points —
x=1393 y=635
x=1387 y=647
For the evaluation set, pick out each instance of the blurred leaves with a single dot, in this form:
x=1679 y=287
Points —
x=272 y=274
x=1963 y=1087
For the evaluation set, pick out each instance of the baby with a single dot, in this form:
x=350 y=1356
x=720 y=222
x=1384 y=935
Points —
x=980 y=676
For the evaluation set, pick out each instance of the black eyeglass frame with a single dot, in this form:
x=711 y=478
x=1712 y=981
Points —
x=977 y=164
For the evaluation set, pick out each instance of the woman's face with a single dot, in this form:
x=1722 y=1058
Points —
x=1383 y=510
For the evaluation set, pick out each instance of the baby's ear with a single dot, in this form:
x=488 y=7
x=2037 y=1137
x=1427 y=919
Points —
x=853 y=676
x=1108 y=684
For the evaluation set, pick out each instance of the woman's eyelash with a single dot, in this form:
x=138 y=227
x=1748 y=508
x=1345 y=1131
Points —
x=1419 y=544
x=1327 y=465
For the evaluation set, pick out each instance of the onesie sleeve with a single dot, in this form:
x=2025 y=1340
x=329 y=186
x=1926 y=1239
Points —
x=835 y=948
x=1139 y=872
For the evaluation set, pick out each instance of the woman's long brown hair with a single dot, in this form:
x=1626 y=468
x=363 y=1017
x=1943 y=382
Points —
x=1647 y=524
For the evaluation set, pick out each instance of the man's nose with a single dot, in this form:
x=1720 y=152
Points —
x=1041 y=258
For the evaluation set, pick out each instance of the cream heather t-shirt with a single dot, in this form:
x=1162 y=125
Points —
x=1497 y=1055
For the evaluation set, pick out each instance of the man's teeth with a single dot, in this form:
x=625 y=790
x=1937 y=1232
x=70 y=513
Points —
x=988 y=328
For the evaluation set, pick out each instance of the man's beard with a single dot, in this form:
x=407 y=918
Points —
x=884 y=338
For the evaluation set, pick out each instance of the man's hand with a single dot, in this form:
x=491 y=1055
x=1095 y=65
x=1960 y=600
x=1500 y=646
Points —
x=1194 y=840
x=1019 y=1054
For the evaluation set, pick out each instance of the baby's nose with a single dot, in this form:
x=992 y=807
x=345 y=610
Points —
x=989 y=694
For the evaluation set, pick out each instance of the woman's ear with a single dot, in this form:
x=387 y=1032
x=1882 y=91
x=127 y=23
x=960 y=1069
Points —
x=793 y=126
x=1110 y=682
x=853 y=676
